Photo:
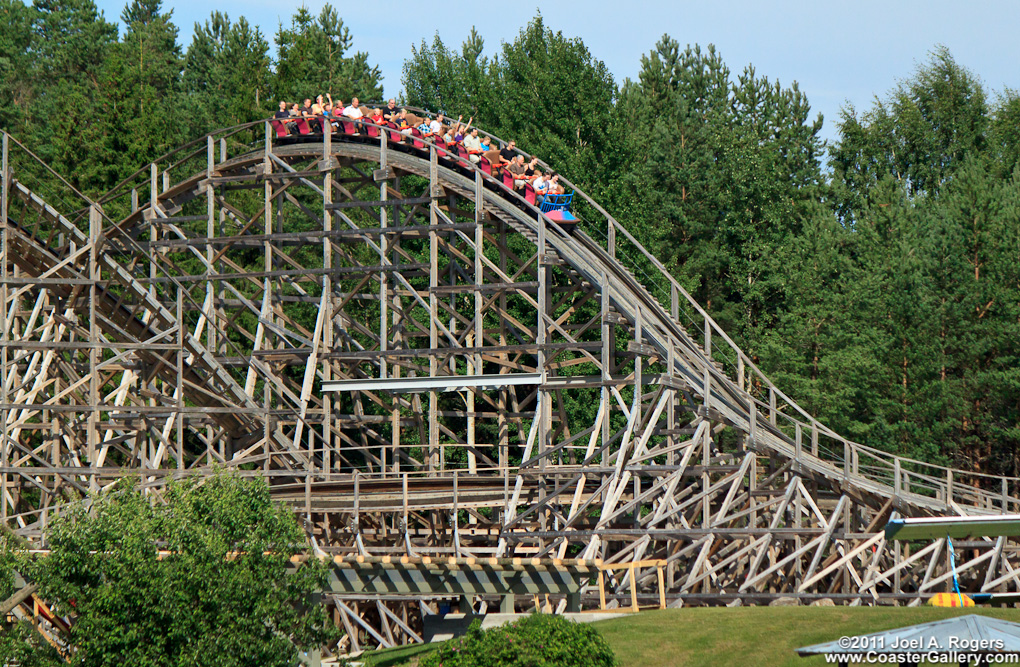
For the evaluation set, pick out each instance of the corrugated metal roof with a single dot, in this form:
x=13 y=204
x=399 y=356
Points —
x=971 y=633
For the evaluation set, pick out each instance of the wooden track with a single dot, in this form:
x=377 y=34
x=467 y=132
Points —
x=189 y=318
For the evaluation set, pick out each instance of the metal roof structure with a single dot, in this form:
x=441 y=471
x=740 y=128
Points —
x=412 y=385
x=971 y=633
x=956 y=527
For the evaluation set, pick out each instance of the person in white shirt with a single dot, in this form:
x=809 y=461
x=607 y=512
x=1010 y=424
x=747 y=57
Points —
x=473 y=145
x=436 y=126
x=541 y=185
x=353 y=110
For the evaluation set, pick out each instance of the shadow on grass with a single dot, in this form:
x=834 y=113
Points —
x=392 y=657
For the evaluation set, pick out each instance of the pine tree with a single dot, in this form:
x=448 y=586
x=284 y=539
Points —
x=823 y=350
x=924 y=182
x=68 y=121
x=543 y=90
x=725 y=170
x=555 y=98
x=17 y=65
x=928 y=127
x=445 y=81
x=974 y=236
x=142 y=76
x=312 y=60
x=226 y=75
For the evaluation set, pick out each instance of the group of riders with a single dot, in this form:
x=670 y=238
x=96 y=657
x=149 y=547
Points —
x=456 y=137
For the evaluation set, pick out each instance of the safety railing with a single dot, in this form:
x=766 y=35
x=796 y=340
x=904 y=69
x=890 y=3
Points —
x=949 y=486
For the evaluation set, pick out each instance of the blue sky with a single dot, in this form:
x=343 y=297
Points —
x=838 y=52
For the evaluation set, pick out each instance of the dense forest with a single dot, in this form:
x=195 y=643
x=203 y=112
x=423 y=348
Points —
x=876 y=278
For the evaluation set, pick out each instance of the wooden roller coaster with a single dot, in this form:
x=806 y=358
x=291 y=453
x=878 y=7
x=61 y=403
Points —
x=194 y=317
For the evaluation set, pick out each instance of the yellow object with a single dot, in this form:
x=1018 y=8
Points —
x=950 y=600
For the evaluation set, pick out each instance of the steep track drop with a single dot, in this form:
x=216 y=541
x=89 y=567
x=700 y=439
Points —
x=198 y=326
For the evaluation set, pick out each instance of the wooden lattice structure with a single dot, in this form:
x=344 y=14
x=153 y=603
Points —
x=191 y=317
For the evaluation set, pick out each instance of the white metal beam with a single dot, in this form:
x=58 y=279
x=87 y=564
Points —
x=959 y=527
x=414 y=385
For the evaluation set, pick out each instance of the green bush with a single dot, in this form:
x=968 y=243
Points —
x=538 y=640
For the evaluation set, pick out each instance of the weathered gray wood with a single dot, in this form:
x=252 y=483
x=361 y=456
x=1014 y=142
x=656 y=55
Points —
x=286 y=293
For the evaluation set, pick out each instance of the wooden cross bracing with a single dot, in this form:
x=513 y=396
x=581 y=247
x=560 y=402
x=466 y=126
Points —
x=189 y=319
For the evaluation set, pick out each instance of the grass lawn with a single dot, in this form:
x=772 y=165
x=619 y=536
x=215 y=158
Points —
x=743 y=636
x=392 y=657
x=756 y=635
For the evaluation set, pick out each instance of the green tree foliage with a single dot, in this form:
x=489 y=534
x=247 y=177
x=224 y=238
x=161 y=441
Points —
x=16 y=63
x=143 y=76
x=199 y=577
x=312 y=59
x=66 y=119
x=880 y=288
x=557 y=99
x=1004 y=133
x=973 y=241
x=544 y=90
x=537 y=640
x=920 y=134
x=446 y=81
x=20 y=644
x=924 y=185
x=721 y=175
x=818 y=350
x=226 y=77
x=71 y=38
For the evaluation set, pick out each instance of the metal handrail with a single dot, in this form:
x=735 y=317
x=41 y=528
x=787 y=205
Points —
x=807 y=423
